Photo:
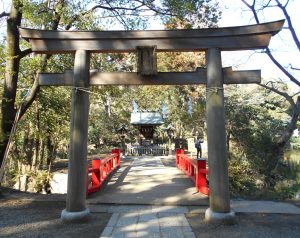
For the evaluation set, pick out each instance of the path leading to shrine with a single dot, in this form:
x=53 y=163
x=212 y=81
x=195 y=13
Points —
x=149 y=180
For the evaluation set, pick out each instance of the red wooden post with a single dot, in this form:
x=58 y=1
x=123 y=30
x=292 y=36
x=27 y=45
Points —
x=118 y=152
x=104 y=171
x=201 y=176
x=96 y=180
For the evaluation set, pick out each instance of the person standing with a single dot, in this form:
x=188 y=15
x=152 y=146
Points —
x=198 y=147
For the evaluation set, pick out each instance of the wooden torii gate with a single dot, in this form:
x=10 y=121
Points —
x=212 y=41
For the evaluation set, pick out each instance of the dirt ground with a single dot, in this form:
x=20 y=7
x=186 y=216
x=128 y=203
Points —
x=30 y=219
x=249 y=225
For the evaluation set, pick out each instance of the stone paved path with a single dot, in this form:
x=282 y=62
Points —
x=148 y=221
x=147 y=181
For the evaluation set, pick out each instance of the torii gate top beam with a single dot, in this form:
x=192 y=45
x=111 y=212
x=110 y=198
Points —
x=227 y=38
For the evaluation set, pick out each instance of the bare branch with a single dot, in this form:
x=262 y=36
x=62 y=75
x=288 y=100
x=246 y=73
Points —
x=289 y=22
x=252 y=8
x=268 y=52
x=115 y=10
x=110 y=8
x=116 y=13
x=283 y=94
x=291 y=77
x=247 y=4
x=295 y=94
x=287 y=3
x=293 y=68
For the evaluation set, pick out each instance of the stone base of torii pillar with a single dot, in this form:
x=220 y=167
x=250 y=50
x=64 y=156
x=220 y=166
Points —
x=74 y=217
x=227 y=218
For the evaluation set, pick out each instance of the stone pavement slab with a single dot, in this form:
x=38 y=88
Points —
x=264 y=207
x=148 y=223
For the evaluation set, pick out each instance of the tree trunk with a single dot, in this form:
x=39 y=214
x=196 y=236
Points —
x=50 y=150
x=41 y=155
x=287 y=134
x=37 y=141
x=28 y=146
x=11 y=76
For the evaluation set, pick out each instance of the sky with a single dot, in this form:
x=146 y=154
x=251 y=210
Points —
x=235 y=14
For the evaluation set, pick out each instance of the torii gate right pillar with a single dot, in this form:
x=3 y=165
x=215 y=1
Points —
x=219 y=201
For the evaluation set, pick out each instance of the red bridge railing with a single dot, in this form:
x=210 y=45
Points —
x=101 y=169
x=195 y=169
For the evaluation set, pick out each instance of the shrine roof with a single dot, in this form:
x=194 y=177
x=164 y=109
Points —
x=146 y=118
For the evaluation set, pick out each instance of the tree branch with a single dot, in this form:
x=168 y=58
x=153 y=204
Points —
x=290 y=24
x=252 y=8
x=268 y=52
x=115 y=10
x=4 y=14
x=283 y=94
x=293 y=68
x=30 y=98
x=287 y=133
x=25 y=53
x=110 y=8
x=35 y=87
x=287 y=73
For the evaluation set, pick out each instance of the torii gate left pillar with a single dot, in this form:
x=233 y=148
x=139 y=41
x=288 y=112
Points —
x=76 y=209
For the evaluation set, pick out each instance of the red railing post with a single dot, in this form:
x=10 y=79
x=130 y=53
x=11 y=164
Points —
x=201 y=177
x=96 y=180
x=118 y=152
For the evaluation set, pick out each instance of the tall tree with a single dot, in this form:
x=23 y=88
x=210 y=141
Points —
x=13 y=57
x=258 y=9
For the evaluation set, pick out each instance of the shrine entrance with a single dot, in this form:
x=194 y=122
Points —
x=146 y=44
x=146 y=122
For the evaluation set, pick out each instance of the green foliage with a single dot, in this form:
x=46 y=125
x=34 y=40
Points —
x=42 y=180
x=254 y=120
x=191 y=14
x=245 y=184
